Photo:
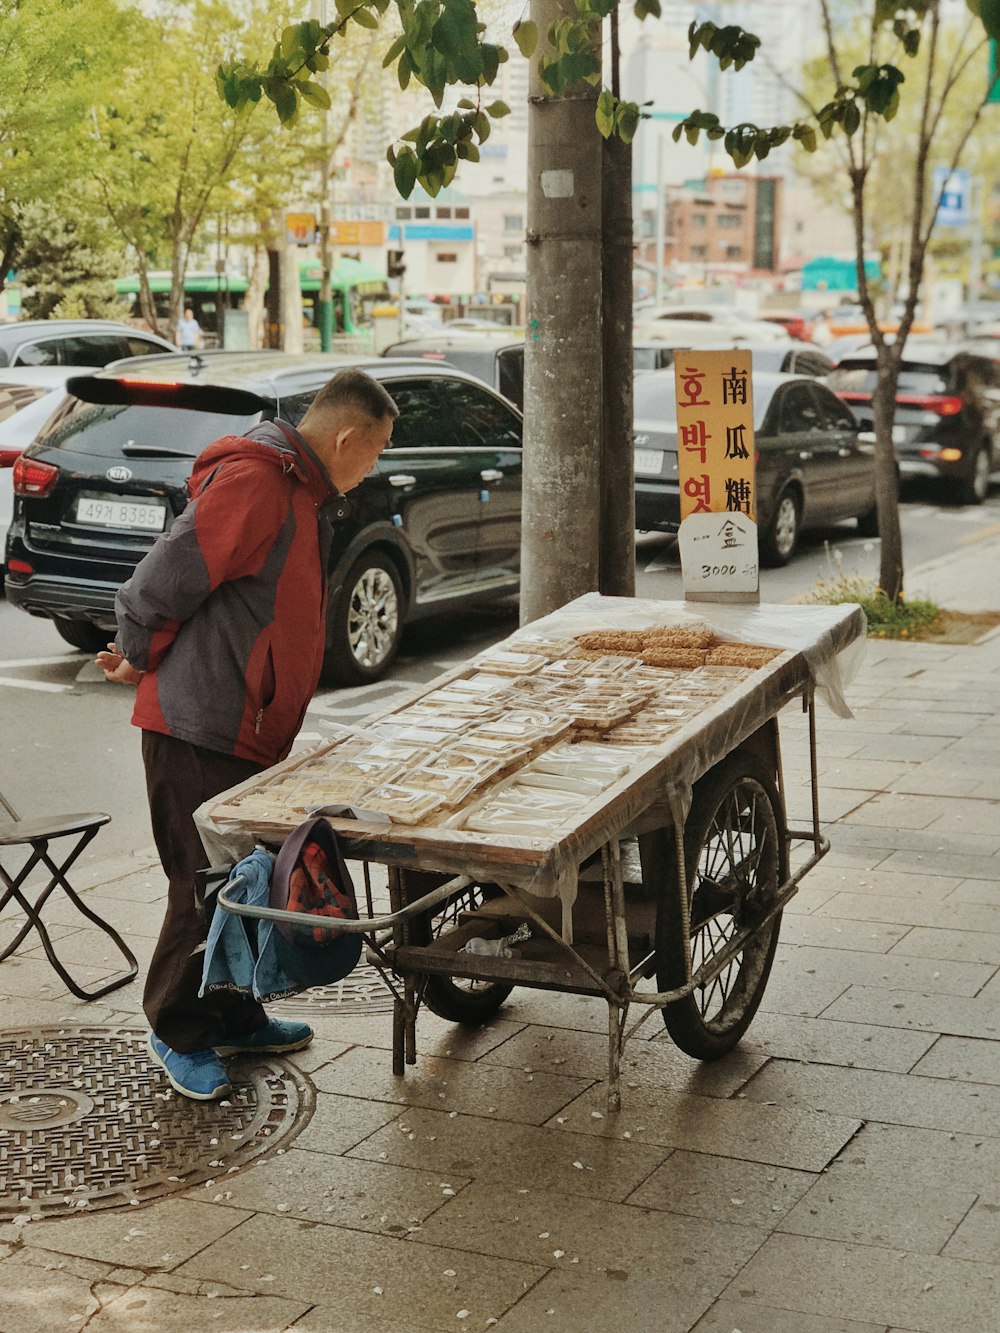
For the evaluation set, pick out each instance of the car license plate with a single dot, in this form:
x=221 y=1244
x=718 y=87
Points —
x=648 y=462
x=121 y=511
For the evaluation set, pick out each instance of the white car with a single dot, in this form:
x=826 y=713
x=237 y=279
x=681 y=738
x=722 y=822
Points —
x=723 y=321
x=29 y=395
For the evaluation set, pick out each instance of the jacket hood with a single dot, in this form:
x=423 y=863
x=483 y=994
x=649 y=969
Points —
x=281 y=446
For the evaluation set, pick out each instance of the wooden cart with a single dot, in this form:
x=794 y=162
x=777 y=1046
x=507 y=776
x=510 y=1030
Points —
x=665 y=893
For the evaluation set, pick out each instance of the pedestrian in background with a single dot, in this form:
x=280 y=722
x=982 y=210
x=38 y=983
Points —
x=188 y=332
x=222 y=629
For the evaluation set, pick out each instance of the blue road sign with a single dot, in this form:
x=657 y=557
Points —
x=954 y=188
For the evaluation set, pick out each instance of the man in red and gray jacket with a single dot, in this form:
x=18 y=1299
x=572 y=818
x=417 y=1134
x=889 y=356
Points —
x=222 y=629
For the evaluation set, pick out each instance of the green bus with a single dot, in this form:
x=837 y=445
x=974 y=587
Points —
x=356 y=288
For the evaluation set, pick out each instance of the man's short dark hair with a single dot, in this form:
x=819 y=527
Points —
x=353 y=388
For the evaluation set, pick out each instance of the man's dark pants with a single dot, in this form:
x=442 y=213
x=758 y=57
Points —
x=179 y=778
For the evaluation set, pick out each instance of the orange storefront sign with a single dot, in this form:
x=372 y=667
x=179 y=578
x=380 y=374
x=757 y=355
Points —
x=357 y=233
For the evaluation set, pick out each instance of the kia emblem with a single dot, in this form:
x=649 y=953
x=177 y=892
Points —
x=119 y=473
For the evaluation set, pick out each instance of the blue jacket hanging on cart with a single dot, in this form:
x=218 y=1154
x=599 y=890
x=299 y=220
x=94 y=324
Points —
x=272 y=960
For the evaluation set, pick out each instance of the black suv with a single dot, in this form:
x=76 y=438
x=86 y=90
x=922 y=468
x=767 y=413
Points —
x=75 y=342
x=947 y=421
x=434 y=527
x=494 y=357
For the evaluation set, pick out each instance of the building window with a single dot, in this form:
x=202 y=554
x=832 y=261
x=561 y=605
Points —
x=446 y=257
x=444 y=212
x=734 y=252
x=699 y=251
x=421 y=212
x=461 y=213
x=729 y=220
x=513 y=222
x=403 y=214
x=699 y=220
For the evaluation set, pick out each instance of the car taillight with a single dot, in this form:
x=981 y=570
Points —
x=944 y=404
x=852 y=397
x=8 y=457
x=32 y=477
x=19 y=567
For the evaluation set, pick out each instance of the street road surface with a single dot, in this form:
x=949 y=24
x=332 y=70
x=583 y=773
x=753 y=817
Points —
x=66 y=744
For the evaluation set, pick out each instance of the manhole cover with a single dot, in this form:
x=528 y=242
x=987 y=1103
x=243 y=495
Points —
x=362 y=992
x=88 y=1121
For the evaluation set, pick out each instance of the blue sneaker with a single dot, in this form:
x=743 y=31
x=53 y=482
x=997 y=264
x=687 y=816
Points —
x=200 y=1075
x=277 y=1035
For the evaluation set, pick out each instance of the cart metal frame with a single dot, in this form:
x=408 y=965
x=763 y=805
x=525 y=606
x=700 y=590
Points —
x=406 y=966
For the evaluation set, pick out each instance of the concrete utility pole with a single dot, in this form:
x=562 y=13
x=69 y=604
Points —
x=617 y=545
x=561 y=524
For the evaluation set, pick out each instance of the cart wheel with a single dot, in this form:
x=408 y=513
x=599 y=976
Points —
x=735 y=854
x=459 y=999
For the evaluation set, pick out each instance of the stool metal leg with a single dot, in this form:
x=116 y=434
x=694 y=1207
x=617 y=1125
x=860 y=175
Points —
x=40 y=855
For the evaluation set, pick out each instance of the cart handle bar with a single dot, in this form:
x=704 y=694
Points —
x=342 y=925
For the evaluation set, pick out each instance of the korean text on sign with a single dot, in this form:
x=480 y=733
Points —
x=715 y=450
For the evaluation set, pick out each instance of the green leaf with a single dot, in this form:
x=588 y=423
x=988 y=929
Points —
x=989 y=12
x=404 y=173
x=647 y=9
x=397 y=48
x=481 y=124
x=315 y=94
x=807 y=138
x=498 y=110
x=285 y=100
x=628 y=121
x=604 y=113
x=525 y=33
x=364 y=18
x=404 y=69
x=851 y=118
x=466 y=105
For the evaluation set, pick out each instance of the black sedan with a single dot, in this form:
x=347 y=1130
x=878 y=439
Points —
x=434 y=528
x=812 y=469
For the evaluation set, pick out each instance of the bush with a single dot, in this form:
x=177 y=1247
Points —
x=886 y=619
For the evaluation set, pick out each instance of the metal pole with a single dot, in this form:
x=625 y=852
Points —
x=976 y=239
x=660 y=219
x=324 y=303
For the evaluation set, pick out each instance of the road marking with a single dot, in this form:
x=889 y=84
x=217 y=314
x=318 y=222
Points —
x=43 y=685
x=992 y=531
x=66 y=659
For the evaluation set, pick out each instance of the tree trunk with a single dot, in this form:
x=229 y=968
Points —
x=886 y=478
x=617 y=543
x=560 y=542
x=254 y=303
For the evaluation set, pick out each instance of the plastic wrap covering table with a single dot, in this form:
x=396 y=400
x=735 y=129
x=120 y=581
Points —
x=664 y=892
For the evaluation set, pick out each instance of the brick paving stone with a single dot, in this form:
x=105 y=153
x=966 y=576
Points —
x=977 y=891
x=940 y=780
x=783 y=1136
x=541 y=1227
x=951 y=1014
x=881 y=881
x=343 y=1191
x=926 y=1294
x=978 y=1236
x=894 y=972
x=874 y=1210
x=721 y=1188
x=913 y=912
x=897 y=811
x=829 y=933
x=654 y=1064
x=613 y=1300
x=900 y=1099
x=42 y=1292
x=448 y=1085
x=912 y=748
x=147 y=1309
x=341 y=1123
x=160 y=1235
x=419 y=1285
x=961 y=946
x=963 y=1058
x=866 y=774
x=435 y=1036
x=917 y=840
x=945 y=862
x=729 y=1314
x=807 y=899
x=835 y=803
x=825 y=1041
x=521 y=1156
x=791 y=991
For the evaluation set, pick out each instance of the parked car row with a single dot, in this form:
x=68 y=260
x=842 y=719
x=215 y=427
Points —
x=436 y=526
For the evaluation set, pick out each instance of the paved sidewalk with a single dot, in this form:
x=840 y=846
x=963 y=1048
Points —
x=838 y=1173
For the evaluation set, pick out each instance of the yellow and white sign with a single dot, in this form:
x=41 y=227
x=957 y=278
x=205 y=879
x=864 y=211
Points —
x=715 y=468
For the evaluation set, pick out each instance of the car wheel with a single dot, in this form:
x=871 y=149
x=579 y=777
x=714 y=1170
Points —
x=82 y=634
x=782 y=536
x=974 y=488
x=364 y=622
